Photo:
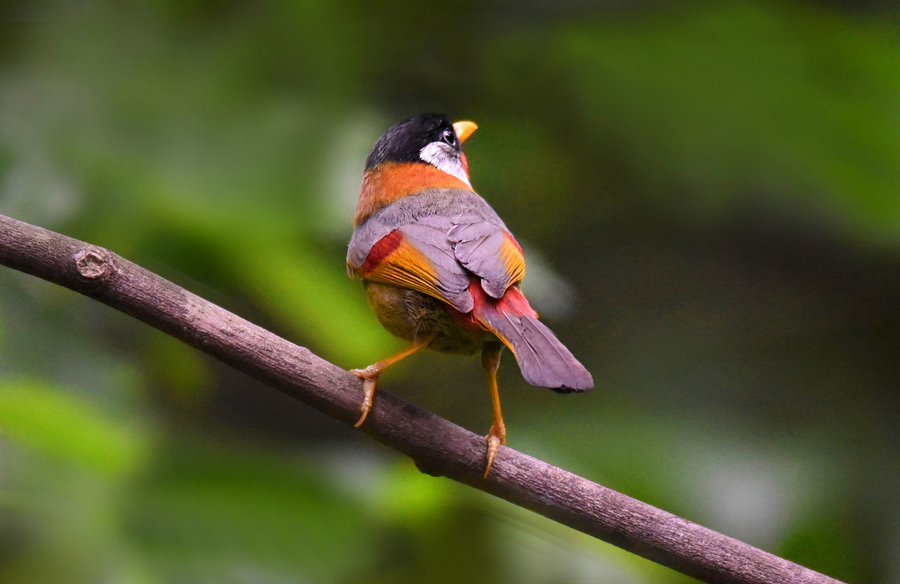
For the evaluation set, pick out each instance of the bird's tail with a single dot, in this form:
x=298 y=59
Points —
x=544 y=361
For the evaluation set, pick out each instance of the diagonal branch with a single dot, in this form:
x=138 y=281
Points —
x=438 y=446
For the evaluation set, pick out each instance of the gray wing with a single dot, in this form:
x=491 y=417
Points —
x=459 y=234
x=489 y=252
x=443 y=277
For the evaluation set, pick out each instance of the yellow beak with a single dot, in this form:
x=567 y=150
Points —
x=464 y=130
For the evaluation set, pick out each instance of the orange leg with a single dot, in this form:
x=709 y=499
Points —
x=370 y=375
x=490 y=360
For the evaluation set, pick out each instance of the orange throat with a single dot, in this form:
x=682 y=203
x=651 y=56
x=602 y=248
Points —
x=390 y=181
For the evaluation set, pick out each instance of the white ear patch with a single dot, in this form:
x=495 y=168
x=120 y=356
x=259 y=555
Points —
x=443 y=157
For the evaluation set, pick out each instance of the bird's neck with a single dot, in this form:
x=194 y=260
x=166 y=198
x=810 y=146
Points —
x=390 y=181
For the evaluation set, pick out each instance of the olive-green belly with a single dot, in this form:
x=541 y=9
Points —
x=412 y=316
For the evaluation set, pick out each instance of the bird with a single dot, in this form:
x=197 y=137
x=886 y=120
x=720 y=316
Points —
x=442 y=271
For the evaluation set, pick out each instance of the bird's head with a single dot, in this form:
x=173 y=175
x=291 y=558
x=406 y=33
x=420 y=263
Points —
x=427 y=139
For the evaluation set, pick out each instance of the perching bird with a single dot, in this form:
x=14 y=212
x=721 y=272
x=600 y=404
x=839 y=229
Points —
x=441 y=270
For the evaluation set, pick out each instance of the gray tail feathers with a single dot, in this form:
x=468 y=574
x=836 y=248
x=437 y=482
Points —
x=544 y=361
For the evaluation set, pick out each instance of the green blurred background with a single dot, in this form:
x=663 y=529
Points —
x=709 y=197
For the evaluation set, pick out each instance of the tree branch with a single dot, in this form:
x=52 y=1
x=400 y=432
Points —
x=438 y=446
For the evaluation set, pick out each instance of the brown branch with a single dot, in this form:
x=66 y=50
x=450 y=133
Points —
x=436 y=445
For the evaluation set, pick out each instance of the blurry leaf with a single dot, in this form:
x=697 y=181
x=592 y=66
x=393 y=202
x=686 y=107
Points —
x=183 y=371
x=315 y=298
x=734 y=99
x=538 y=550
x=344 y=161
x=833 y=543
x=519 y=168
x=636 y=456
x=64 y=425
x=207 y=512
x=248 y=215
x=409 y=496
x=290 y=278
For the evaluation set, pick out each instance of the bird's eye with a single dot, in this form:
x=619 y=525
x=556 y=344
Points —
x=449 y=136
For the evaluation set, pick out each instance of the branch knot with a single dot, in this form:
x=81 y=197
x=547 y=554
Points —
x=92 y=263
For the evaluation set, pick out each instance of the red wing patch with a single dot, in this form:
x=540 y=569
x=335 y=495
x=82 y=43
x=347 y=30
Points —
x=513 y=303
x=383 y=248
x=395 y=260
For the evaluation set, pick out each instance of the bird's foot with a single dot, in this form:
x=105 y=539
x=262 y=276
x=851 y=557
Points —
x=369 y=375
x=495 y=438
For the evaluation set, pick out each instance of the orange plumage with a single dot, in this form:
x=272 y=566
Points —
x=390 y=181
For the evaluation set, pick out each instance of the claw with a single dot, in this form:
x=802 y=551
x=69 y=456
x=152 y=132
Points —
x=370 y=380
x=495 y=438
x=370 y=375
